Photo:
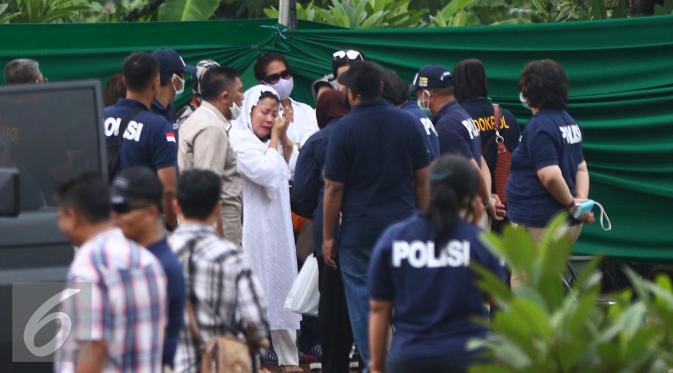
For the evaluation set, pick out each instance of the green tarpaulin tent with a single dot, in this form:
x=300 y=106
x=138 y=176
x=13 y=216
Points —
x=620 y=71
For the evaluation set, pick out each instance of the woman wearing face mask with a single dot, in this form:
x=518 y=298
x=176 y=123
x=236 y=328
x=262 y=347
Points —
x=548 y=173
x=266 y=157
x=271 y=69
x=420 y=268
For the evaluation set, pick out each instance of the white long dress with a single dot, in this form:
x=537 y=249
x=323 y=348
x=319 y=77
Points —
x=268 y=239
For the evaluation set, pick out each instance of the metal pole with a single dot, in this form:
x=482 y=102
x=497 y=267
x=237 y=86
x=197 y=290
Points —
x=287 y=13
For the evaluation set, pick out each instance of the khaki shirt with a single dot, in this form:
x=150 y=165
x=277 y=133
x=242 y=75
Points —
x=204 y=144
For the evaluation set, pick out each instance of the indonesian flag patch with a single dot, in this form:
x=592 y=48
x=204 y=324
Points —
x=170 y=137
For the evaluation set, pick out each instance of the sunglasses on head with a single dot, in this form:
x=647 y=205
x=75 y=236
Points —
x=350 y=54
x=274 y=78
x=125 y=207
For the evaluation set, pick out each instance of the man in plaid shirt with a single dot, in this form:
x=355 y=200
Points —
x=120 y=328
x=225 y=294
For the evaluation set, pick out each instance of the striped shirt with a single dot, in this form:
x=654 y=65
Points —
x=126 y=308
x=228 y=295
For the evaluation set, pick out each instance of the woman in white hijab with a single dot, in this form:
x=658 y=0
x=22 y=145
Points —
x=265 y=157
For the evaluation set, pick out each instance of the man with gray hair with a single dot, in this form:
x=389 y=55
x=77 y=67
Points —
x=23 y=71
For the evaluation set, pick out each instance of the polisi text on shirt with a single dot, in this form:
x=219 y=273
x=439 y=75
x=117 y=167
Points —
x=421 y=254
x=132 y=132
x=571 y=134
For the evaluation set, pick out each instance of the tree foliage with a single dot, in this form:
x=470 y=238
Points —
x=342 y=13
x=543 y=326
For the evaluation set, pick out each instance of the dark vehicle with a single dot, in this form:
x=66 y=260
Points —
x=48 y=134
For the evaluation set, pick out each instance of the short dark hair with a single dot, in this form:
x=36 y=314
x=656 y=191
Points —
x=198 y=193
x=544 y=84
x=89 y=194
x=444 y=91
x=264 y=60
x=22 y=71
x=395 y=89
x=217 y=79
x=470 y=78
x=139 y=70
x=364 y=79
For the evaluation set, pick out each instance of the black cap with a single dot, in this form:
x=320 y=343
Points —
x=136 y=183
x=171 y=63
x=432 y=76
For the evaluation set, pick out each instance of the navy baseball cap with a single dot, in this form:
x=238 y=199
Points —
x=136 y=183
x=431 y=76
x=171 y=63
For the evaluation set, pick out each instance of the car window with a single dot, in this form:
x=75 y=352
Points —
x=50 y=136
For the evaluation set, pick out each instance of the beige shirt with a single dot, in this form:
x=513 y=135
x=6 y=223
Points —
x=204 y=143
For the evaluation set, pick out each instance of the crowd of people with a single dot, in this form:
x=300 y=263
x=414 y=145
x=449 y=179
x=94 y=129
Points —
x=195 y=236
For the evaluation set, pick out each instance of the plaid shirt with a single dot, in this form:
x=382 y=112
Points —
x=127 y=308
x=227 y=293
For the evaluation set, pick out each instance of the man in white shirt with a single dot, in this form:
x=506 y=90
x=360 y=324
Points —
x=204 y=143
x=271 y=69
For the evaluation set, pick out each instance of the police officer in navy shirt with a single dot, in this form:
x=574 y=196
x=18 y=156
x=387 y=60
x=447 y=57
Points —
x=396 y=91
x=375 y=174
x=435 y=87
x=172 y=69
x=148 y=139
x=420 y=268
x=549 y=173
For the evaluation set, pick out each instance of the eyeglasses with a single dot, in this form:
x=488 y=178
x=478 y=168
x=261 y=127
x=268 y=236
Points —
x=274 y=78
x=350 y=54
x=125 y=207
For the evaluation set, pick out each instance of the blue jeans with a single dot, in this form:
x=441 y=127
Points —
x=354 y=265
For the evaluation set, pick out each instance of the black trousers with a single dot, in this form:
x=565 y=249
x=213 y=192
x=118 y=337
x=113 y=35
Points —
x=336 y=337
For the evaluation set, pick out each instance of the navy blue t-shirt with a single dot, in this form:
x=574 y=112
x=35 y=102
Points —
x=457 y=132
x=481 y=111
x=148 y=141
x=176 y=297
x=552 y=137
x=375 y=151
x=308 y=188
x=428 y=128
x=167 y=113
x=433 y=290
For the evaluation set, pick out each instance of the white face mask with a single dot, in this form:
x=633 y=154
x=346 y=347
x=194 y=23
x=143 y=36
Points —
x=178 y=92
x=523 y=100
x=234 y=111
x=284 y=87
x=424 y=100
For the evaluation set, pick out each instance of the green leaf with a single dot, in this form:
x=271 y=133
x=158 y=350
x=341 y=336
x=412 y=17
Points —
x=187 y=10
x=598 y=10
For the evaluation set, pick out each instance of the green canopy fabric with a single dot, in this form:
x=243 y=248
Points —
x=620 y=72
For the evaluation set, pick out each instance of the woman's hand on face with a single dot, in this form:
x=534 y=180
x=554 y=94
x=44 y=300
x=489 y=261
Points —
x=280 y=127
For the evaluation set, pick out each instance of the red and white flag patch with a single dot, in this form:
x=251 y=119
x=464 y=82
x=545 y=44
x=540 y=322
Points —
x=170 y=137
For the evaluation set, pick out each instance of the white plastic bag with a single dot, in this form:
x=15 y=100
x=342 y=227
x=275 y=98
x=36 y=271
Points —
x=304 y=295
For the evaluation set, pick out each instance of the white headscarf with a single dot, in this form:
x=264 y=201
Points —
x=250 y=100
